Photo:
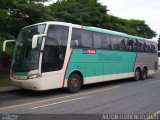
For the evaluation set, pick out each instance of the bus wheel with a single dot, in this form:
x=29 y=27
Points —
x=144 y=74
x=74 y=83
x=137 y=75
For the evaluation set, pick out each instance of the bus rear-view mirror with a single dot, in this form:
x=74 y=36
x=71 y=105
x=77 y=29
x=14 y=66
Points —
x=35 y=39
x=5 y=42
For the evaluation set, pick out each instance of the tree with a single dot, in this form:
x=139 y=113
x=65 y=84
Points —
x=16 y=14
x=5 y=32
x=141 y=28
x=83 y=12
x=27 y=12
x=92 y=13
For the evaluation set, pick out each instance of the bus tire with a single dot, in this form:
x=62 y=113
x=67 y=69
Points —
x=137 y=74
x=74 y=83
x=144 y=73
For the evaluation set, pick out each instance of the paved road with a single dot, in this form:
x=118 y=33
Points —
x=121 y=96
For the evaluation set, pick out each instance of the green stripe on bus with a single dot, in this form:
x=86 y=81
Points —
x=102 y=63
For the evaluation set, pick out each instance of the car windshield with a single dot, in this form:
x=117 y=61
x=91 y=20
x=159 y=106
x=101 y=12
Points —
x=24 y=58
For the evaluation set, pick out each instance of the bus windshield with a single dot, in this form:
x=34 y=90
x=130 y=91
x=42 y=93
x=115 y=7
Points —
x=24 y=58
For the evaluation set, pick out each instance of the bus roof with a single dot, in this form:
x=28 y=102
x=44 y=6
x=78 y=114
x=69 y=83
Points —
x=104 y=31
x=96 y=29
x=135 y=37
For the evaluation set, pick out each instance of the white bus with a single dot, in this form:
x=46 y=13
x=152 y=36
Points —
x=52 y=55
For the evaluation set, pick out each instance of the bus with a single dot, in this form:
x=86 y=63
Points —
x=52 y=55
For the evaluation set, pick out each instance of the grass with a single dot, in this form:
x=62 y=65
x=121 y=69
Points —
x=4 y=79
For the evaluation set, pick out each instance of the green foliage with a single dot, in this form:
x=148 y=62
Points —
x=9 y=48
x=26 y=12
x=132 y=27
x=16 y=14
x=82 y=12
x=92 y=13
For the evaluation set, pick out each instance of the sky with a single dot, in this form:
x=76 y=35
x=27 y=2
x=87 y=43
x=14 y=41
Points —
x=147 y=10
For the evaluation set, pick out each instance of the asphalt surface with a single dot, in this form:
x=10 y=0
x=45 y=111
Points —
x=122 y=96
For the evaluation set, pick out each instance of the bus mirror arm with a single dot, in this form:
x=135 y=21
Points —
x=35 y=40
x=5 y=42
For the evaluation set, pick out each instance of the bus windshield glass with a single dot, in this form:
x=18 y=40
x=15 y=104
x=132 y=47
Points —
x=24 y=58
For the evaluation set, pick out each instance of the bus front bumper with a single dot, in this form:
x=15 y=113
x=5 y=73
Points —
x=31 y=84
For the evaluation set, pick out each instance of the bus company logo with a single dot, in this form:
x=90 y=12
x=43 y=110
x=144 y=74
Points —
x=89 y=51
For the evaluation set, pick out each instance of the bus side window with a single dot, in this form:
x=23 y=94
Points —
x=148 y=47
x=115 y=42
x=154 y=48
x=104 y=43
x=81 y=38
x=55 y=48
x=100 y=41
x=97 y=39
x=130 y=44
x=122 y=44
x=135 y=45
x=107 y=42
x=86 y=39
x=139 y=46
x=144 y=46
x=76 y=38
x=127 y=46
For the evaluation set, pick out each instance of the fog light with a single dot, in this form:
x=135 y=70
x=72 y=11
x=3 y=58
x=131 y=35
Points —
x=33 y=76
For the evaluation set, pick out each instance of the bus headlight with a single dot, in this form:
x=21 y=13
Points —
x=33 y=76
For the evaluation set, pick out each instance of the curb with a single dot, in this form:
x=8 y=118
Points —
x=8 y=89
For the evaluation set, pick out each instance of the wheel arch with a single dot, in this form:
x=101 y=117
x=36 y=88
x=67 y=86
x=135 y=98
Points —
x=137 y=67
x=145 y=67
x=136 y=78
x=79 y=73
